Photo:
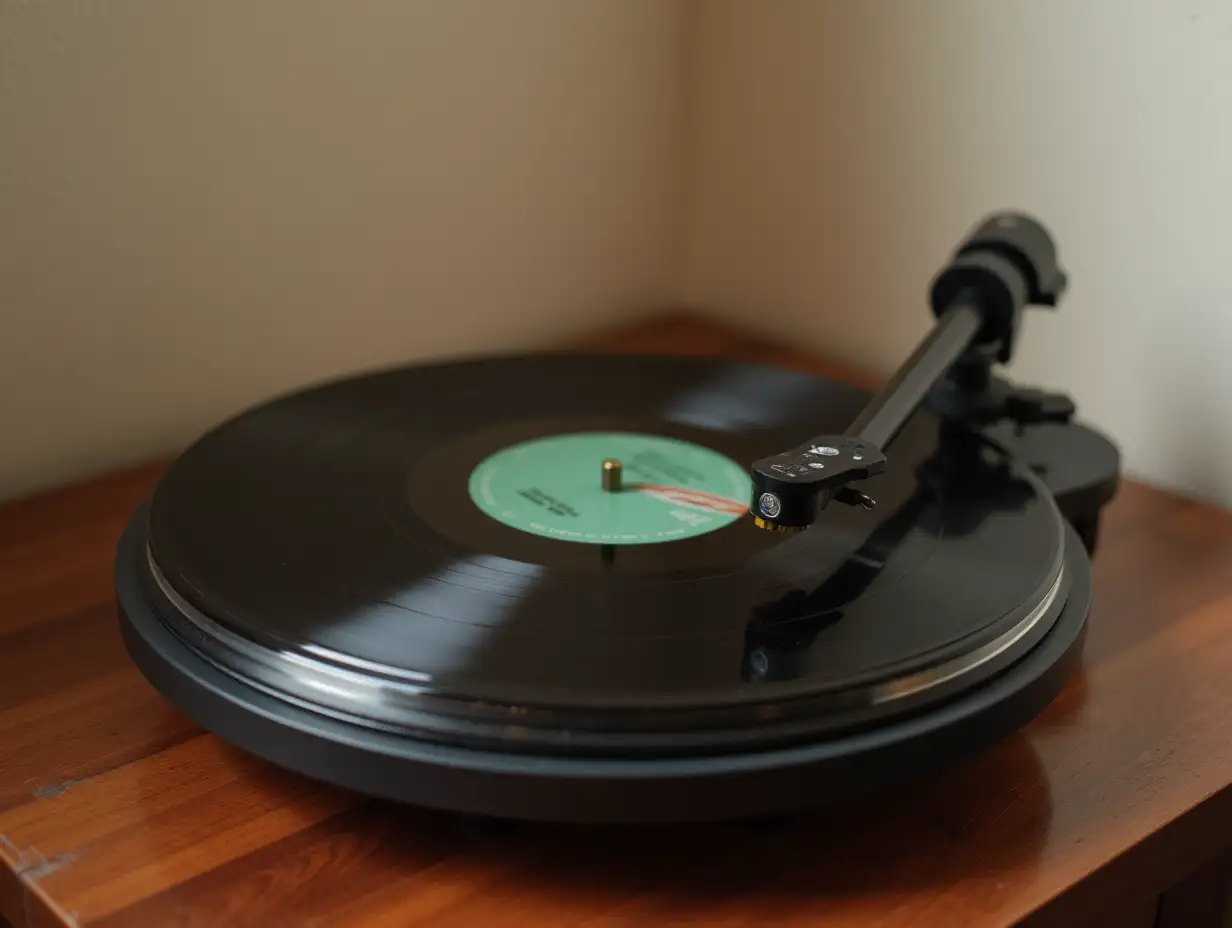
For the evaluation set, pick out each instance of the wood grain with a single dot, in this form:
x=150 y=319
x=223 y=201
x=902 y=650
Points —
x=115 y=810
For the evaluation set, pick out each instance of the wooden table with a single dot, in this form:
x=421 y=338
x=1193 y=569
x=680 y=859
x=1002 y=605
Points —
x=116 y=810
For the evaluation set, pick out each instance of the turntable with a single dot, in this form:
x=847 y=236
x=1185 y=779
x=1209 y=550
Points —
x=608 y=588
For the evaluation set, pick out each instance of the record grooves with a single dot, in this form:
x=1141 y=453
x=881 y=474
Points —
x=557 y=634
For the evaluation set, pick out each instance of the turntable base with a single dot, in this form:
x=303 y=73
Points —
x=597 y=789
x=1115 y=804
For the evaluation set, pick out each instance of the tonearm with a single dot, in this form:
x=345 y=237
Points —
x=1007 y=263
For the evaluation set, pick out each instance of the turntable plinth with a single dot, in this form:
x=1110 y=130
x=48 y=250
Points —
x=1114 y=807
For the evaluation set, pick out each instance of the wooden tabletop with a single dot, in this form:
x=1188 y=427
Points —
x=116 y=810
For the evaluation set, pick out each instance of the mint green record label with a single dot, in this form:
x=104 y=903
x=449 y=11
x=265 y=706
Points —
x=553 y=487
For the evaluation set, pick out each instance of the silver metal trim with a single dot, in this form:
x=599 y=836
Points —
x=956 y=667
x=381 y=700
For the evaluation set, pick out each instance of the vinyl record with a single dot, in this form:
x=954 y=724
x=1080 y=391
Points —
x=430 y=551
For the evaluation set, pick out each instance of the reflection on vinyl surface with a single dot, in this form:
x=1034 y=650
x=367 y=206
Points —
x=337 y=524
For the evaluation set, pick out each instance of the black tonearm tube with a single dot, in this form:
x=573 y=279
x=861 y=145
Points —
x=1007 y=263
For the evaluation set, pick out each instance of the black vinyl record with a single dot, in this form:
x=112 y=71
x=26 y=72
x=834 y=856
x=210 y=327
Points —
x=429 y=551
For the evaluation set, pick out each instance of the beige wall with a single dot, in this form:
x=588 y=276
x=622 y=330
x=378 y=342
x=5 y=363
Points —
x=202 y=203
x=839 y=151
